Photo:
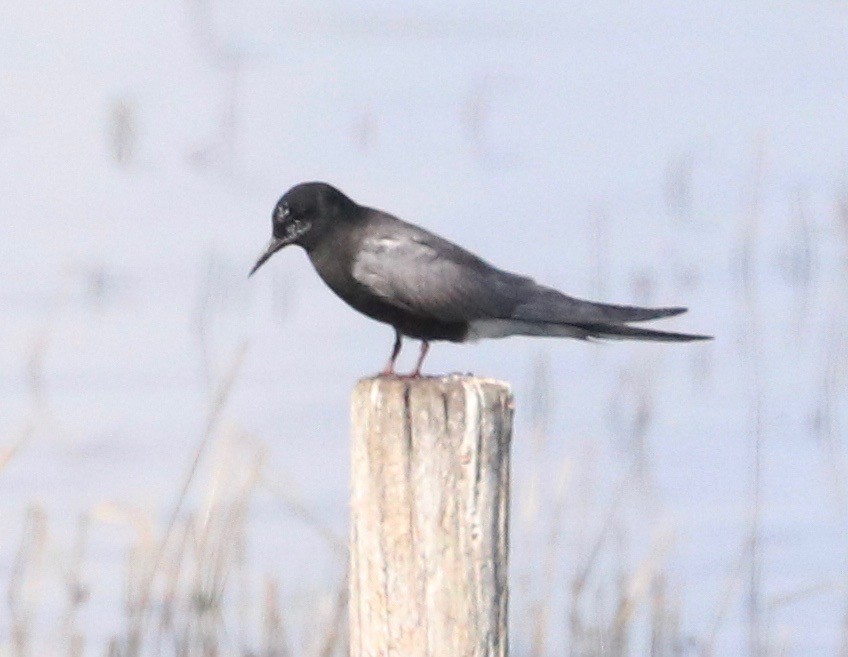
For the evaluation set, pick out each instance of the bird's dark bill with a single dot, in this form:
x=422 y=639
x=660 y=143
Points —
x=274 y=245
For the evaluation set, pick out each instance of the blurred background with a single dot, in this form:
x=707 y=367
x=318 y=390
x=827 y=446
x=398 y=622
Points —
x=174 y=437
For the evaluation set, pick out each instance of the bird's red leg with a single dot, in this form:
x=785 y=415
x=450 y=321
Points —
x=389 y=369
x=425 y=347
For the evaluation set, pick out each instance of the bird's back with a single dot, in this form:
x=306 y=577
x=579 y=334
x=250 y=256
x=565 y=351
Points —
x=428 y=287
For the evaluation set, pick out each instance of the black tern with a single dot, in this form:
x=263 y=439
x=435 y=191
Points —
x=428 y=288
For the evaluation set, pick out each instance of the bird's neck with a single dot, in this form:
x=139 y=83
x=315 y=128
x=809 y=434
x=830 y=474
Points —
x=332 y=256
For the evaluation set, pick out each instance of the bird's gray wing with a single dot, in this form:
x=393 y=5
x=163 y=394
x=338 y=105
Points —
x=545 y=304
x=426 y=275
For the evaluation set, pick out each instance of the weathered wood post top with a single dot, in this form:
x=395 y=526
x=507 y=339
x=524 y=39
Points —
x=429 y=512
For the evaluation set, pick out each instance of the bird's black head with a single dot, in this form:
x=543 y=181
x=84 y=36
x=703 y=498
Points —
x=304 y=215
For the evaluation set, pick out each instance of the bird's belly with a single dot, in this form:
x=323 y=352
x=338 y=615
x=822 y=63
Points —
x=410 y=324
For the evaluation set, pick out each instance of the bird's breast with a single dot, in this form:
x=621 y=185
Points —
x=336 y=270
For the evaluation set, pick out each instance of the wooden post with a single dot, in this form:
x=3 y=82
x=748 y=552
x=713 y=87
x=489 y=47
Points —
x=429 y=511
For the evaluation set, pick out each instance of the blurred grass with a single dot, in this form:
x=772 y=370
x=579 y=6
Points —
x=186 y=591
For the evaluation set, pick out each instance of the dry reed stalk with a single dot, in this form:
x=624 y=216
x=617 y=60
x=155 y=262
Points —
x=336 y=635
x=213 y=417
x=802 y=265
x=23 y=593
x=679 y=199
x=274 y=638
x=540 y=415
x=751 y=348
x=299 y=510
x=582 y=635
x=733 y=582
x=77 y=592
x=665 y=620
x=639 y=582
x=543 y=607
x=37 y=393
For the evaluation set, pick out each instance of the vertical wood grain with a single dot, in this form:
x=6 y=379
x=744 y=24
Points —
x=429 y=517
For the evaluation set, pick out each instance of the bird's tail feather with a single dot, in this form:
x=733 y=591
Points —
x=499 y=328
x=623 y=332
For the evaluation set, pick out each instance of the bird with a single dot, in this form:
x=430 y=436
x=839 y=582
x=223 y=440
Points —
x=428 y=288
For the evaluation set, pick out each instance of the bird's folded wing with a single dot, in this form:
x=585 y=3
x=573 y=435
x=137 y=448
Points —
x=431 y=277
